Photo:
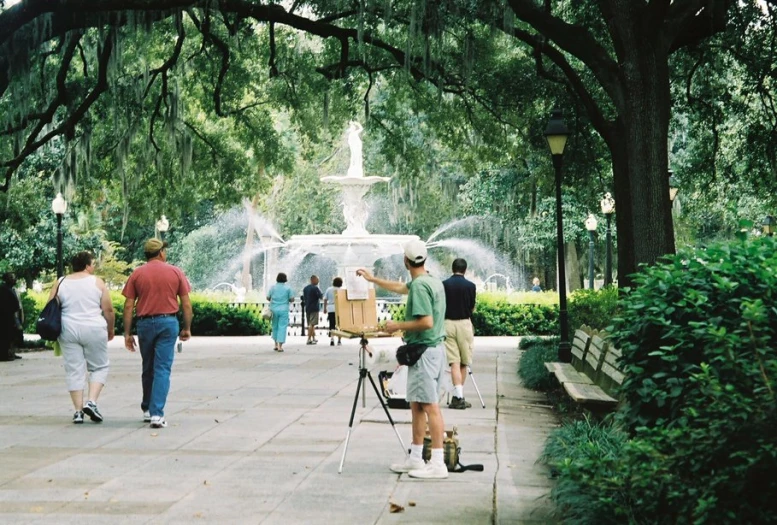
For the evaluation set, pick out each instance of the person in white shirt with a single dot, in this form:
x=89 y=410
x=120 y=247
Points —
x=329 y=308
x=87 y=326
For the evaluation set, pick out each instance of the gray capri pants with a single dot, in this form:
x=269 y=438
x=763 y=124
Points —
x=84 y=348
x=425 y=377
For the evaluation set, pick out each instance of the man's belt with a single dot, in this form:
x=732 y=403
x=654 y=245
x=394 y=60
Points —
x=154 y=316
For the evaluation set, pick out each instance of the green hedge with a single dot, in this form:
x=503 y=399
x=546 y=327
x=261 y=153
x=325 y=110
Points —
x=699 y=342
x=531 y=366
x=210 y=318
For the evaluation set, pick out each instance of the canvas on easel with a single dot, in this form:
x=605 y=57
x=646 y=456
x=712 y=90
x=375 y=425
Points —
x=356 y=316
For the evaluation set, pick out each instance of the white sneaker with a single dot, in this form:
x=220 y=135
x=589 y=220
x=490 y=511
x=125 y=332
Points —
x=146 y=416
x=409 y=464
x=158 y=422
x=430 y=471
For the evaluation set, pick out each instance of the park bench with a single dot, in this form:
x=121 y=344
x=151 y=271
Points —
x=593 y=376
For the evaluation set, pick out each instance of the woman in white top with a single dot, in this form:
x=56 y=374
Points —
x=87 y=326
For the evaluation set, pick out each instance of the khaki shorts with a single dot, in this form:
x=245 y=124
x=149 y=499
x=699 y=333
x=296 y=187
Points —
x=312 y=318
x=459 y=337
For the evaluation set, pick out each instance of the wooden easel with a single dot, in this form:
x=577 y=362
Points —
x=359 y=318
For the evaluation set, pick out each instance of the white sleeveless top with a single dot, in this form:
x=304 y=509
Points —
x=80 y=299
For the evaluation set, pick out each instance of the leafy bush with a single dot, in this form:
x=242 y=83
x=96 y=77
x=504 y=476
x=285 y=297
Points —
x=495 y=316
x=222 y=319
x=531 y=366
x=595 y=308
x=698 y=342
x=502 y=318
x=715 y=306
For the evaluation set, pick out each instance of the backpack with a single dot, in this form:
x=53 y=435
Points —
x=451 y=452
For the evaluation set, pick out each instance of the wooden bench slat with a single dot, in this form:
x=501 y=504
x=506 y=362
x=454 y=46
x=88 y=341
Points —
x=588 y=394
x=566 y=373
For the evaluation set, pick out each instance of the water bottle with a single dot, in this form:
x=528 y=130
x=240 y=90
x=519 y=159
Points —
x=180 y=346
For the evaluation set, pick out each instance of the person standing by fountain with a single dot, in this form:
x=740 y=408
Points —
x=459 y=335
x=280 y=296
x=311 y=294
x=329 y=308
x=355 y=168
x=424 y=324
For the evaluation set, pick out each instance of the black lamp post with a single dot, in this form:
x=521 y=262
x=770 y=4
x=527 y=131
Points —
x=556 y=134
x=769 y=225
x=608 y=208
x=59 y=207
x=590 y=225
x=162 y=225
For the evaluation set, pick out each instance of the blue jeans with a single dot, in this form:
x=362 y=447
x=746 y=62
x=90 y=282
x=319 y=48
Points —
x=156 y=337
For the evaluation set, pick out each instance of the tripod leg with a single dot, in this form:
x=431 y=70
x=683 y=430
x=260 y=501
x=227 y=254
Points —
x=388 y=415
x=350 y=423
x=469 y=369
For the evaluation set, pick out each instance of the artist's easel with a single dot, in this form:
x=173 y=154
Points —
x=359 y=318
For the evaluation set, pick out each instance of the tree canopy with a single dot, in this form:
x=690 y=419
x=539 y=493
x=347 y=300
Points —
x=161 y=105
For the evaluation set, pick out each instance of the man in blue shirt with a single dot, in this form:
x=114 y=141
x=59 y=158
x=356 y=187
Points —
x=312 y=295
x=459 y=335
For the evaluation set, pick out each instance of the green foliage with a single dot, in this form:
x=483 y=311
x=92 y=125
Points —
x=222 y=319
x=531 y=366
x=697 y=337
x=595 y=308
x=712 y=306
x=31 y=306
x=496 y=318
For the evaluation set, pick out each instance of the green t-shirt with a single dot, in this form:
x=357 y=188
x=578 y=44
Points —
x=426 y=297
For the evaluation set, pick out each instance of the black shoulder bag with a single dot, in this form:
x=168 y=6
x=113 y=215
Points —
x=49 y=324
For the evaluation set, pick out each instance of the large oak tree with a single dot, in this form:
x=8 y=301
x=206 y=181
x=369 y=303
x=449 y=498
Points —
x=612 y=57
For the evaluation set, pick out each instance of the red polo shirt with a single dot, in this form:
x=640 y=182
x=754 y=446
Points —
x=156 y=287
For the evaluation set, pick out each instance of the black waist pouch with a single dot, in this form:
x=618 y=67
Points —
x=410 y=354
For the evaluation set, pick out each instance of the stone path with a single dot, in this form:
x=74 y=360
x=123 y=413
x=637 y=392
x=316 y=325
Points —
x=256 y=437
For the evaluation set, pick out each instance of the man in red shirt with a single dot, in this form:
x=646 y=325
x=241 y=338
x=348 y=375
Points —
x=153 y=291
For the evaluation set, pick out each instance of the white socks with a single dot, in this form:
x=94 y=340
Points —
x=416 y=451
x=437 y=456
x=459 y=391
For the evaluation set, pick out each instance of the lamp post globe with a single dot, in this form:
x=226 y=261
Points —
x=162 y=225
x=769 y=225
x=590 y=225
x=59 y=207
x=556 y=133
x=608 y=208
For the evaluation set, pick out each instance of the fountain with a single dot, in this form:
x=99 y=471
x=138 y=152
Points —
x=355 y=246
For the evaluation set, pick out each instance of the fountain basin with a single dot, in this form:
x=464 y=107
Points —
x=351 y=249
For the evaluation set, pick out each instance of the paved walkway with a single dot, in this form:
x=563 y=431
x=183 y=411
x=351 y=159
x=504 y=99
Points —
x=256 y=437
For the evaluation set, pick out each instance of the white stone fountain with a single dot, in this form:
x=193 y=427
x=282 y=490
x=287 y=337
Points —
x=355 y=246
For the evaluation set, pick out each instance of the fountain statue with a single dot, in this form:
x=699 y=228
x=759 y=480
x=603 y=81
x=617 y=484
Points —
x=355 y=246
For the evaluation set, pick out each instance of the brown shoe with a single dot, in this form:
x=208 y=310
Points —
x=458 y=403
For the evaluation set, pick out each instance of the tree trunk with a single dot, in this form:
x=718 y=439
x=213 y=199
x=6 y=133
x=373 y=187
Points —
x=640 y=156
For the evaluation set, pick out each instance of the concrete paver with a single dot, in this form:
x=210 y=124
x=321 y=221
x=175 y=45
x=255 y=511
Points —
x=256 y=436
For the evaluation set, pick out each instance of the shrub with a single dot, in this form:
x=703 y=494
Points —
x=699 y=353
x=495 y=316
x=221 y=319
x=713 y=306
x=531 y=366
x=595 y=308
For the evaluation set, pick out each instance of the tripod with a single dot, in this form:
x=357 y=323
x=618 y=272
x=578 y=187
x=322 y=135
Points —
x=364 y=372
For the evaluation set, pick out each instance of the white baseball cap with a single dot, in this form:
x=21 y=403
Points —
x=415 y=251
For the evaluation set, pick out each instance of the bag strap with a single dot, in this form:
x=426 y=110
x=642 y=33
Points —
x=58 y=283
x=477 y=467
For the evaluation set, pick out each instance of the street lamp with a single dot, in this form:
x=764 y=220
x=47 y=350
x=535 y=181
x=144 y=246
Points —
x=608 y=208
x=590 y=225
x=556 y=134
x=59 y=207
x=162 y=225
x=769 y=225
x=673 y=189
